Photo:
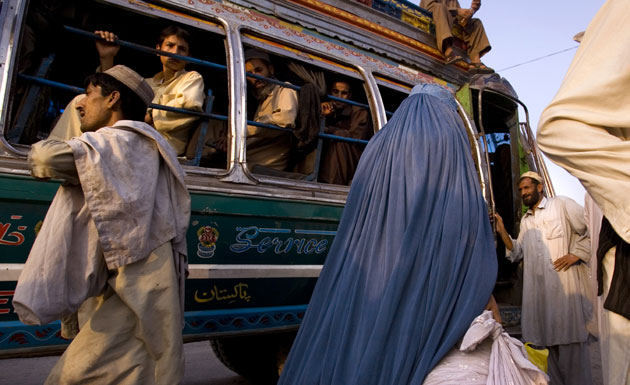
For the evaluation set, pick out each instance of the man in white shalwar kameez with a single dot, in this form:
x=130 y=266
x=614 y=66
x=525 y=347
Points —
x=554 y=244
x=115 y=232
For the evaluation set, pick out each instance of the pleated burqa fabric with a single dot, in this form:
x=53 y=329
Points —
x=413 y=261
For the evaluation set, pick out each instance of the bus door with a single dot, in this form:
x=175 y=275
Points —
x=508 y=149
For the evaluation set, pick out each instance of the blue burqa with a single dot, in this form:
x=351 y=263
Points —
x=413 y=261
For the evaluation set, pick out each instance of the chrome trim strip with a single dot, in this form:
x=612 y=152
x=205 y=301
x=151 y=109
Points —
x=379 y=116
x=10 y=272
x=253 y=271
x=472 y=136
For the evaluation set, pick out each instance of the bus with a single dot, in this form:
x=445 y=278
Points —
x=257 y=237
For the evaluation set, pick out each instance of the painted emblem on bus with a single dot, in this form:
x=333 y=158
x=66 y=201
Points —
x=208 y=237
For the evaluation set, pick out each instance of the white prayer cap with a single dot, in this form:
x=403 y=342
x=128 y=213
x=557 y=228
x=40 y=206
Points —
x=533 y=175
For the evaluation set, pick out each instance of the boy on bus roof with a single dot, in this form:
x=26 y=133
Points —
x=445 y=12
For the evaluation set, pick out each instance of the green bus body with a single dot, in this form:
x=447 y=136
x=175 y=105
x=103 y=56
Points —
x=245 y=232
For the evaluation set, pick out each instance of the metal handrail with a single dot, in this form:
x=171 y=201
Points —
x=493 y=208
x=537 y=159
x=540 y=164
x=475 y=145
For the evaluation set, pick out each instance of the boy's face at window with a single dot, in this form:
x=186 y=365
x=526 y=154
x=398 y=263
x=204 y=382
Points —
x=176 y=45
x=340 y=90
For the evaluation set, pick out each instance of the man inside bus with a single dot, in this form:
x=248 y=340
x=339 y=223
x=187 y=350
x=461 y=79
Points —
x=554 y=245
x=445 y=12
x=277 y=105
x=173 y=87
x=340 y=159
x=114 y=240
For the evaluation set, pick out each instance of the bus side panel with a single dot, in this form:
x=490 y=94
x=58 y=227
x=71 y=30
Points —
x=245 y=259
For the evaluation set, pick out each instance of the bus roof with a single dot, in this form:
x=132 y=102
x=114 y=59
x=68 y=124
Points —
x=397 y=30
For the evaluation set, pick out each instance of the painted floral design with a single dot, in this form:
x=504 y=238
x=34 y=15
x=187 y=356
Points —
x=207 y=235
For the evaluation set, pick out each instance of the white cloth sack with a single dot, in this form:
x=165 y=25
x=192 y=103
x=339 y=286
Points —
x=65 y=265
x=486 y=356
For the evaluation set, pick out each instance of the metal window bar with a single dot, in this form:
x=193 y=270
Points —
x=146 y=49
x=205 y=63
x=79 y=90
x=205 y=115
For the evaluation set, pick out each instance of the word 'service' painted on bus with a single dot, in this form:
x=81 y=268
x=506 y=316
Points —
x=248 y=239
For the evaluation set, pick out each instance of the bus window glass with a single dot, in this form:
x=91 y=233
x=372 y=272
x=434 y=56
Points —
x=308 y=123
x=56 y=45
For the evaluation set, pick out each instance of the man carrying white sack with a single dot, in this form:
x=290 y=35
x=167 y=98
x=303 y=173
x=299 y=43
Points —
x=115 y=232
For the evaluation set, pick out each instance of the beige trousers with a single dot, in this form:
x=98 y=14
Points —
x=614 y=333
x=474 y=33
x=134 y=334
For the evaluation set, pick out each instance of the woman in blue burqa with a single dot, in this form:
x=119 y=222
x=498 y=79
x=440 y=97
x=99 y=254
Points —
x=413 y=261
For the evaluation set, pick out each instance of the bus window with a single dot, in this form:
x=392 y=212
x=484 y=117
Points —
x=339 y=159
x=392 y=94
x=57 y=52
x=306 y=121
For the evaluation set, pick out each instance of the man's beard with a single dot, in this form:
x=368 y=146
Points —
x=532 y=199
x=261 y=93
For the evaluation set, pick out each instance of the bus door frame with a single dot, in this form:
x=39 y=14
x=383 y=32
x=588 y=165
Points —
x=524 y=132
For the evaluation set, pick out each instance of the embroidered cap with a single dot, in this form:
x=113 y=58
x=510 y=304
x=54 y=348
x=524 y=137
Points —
x=253 y=53
x=131 y=79
x=533 y=175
